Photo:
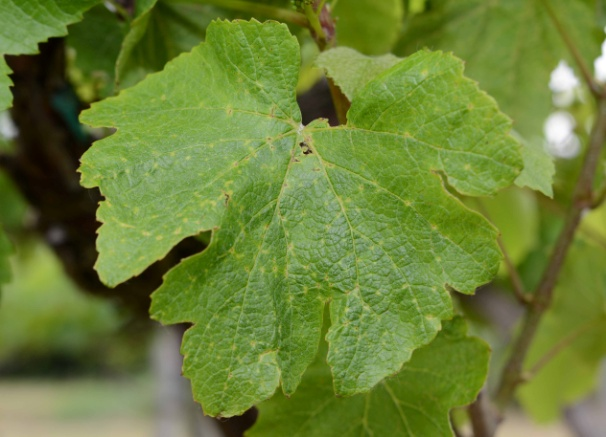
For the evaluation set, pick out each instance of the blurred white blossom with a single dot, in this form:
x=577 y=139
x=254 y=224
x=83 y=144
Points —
x=599 y=65
x=7 y=128
x=563 y=78
x=564 y=84
x=561 y=140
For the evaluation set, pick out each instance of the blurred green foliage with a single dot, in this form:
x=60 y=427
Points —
x=48 y=326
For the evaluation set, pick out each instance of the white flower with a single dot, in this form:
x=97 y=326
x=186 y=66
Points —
x=563 y=78
x=7 y=128
x=599 y=66
x=560 y=137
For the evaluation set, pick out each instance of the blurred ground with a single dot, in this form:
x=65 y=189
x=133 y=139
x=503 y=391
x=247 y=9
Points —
x=70 y=368
x=124 y=408
x=516 y=425
x=80 y=407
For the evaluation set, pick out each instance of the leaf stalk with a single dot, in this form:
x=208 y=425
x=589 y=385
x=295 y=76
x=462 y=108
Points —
x=322 y=28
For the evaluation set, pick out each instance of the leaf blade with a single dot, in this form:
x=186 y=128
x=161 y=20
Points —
x=166 y=114
x=446 y=373
x=284 y=239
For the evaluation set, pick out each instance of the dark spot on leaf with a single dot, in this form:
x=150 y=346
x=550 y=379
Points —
x=306 y=149
x=226 y=198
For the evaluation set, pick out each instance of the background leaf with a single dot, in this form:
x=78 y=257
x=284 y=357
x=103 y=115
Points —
x=5 y=251
x=163 y=29
x=539 y=168
x=160 y=31
x=576 y=317
x=448 y=372
x=97 y=40
x=509 y=46
x=352 y=70
x=300 y=215
x=368 y=26
x=25 y=23
x=519 y=231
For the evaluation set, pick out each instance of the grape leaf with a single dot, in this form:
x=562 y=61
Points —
x=368 y=26
x=5 y=251
x=163 y=29
x=448 y=372
x=97 y=40
x=351 y=70
x=539 y=168
x=25 y=23
x=509 y=46
x=576 y=320
x=357 y=215
x=160 y=31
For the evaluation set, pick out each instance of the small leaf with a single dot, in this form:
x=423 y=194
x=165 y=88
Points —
x=25 y=23
x=352 y=70
x=574 y=329
x=357 y=215
x=539 y=168
x=447 y=373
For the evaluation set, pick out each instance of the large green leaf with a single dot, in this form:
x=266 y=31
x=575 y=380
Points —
x=301 y=215
x=25 y=23
x=509 y=46
x=572 y=333
x=448 y=372
x=369 y=26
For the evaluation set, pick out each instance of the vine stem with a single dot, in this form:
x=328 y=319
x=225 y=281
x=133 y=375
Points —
x=121 y=10
x=481 y=422
x=255 y=8
x=582 y=201
x=596 y=88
